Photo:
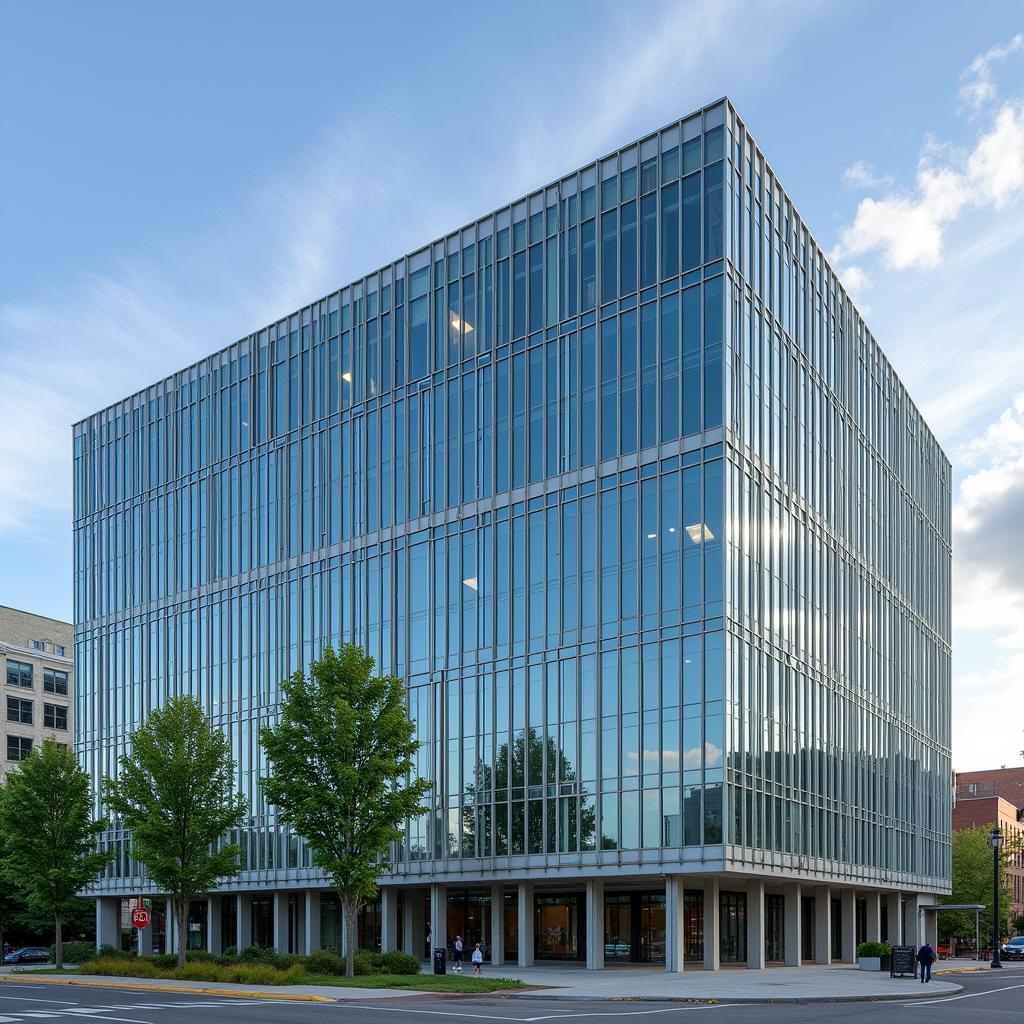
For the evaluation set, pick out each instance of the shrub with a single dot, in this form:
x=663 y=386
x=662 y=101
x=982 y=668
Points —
x=325 y=961
x=231 y=951
x=75 y=952
x=139 y=967
x=397 y=962
x=259 y=956
x=113 y=953
x=161 y=961
x=260 y=974
x=874 y=949
x=197 y=970
x=196 y=955
x=367 y=962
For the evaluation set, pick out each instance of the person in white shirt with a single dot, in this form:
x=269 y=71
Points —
x=478 y=959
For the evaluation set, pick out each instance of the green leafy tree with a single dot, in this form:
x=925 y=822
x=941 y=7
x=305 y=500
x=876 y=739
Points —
x=175 y=791
x=340 y=760
x=972 y=883
x=49 y=835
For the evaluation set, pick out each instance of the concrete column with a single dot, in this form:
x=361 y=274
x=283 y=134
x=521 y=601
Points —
x=108 y=921
x=497 y=924
x=712 y=942
x=525 y=909
x=914 y=935
x=281 y=920
x=413 y=923
x=438 y=917
x=755 y=924
x=793 y=924
x=675 y=923
x=595 y=924
x=848 y=926
x=874 y=917
x=822 y=925
x=894 y=913
x=213 y=930
x=388 y=918
x=300 y=924
x=311 y=922
x=930 y=922
x=244 y=930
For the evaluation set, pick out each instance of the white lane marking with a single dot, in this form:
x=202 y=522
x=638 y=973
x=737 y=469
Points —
x=103 y=1016
x=39 y=1013
x=565 y=1015
x=966 y=995
x=36 y=999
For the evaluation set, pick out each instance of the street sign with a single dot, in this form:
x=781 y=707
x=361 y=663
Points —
x=140 y=918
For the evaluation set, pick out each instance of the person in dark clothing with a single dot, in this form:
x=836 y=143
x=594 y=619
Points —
x=926 y=957
x=457 y=949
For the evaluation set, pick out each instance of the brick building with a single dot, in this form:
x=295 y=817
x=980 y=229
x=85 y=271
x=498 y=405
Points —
x=996 y=797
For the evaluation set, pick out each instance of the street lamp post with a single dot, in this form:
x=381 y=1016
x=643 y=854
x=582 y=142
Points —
x=995 y=837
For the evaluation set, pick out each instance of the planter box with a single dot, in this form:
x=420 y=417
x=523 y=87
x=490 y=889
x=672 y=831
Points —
x=869 y=963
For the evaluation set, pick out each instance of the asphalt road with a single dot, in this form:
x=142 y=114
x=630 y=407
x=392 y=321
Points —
x=989 y=998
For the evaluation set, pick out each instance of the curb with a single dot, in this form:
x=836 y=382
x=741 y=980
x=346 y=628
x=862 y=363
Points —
x=295 y=997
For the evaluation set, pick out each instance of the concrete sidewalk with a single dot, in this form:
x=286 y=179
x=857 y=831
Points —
x=565 y=981
x=776 y=984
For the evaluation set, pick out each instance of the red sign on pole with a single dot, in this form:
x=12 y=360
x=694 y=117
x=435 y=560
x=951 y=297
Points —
x=140 y=918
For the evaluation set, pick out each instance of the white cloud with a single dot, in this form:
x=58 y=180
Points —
x=907 y=227
x=978 y=85
x=988 y=590
x=860 y=176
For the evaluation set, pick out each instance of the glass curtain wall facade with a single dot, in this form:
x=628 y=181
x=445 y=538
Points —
x=616 y=479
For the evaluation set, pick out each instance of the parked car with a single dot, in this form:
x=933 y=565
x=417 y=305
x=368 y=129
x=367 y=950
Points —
x=1014 y=948
x=28 y=955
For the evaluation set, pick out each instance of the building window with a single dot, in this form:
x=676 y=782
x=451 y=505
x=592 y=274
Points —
x=55 y=681
x=19 y=711
x=60 y=651
x=55 y=717
x=19 y=673
x=39 y=645
x=18 y=747
x=972 y=788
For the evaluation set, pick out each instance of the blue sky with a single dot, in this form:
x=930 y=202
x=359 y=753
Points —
x=175 y=176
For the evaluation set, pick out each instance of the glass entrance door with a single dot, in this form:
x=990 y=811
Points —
x=618 y=927
x=775 y=929
x=652 y=928
x=733 y=924
x=807 y=928
x=693 y=928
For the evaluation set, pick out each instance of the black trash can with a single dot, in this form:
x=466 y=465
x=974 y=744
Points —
x=440 y=960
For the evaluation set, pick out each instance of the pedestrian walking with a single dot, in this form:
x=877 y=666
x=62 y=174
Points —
x=457 y=949
x=478 y=959
x=926 y=956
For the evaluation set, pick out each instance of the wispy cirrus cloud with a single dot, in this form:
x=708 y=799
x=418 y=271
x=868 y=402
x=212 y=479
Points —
x=977 y=83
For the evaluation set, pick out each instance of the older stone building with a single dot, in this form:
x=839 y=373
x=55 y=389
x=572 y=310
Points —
x=36 y=658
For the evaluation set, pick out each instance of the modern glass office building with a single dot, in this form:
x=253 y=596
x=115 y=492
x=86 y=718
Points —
x=617 y=479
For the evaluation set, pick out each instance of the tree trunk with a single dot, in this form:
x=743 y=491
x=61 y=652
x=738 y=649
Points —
x=181 y=913
x=58 y=941
x=349 y=913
